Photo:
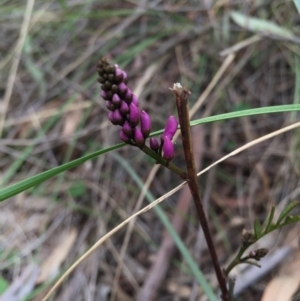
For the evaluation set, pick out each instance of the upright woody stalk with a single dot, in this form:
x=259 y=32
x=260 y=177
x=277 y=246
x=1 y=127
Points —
x=182 y=96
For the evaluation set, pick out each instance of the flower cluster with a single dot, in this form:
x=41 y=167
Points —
x=124 y=111
x=166 y=146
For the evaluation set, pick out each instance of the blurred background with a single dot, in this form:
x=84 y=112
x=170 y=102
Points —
x=51 y=113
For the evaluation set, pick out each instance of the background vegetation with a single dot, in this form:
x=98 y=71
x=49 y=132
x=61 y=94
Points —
x=51 y=113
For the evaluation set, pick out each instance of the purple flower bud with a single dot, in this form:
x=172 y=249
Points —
x=128 y=96
x=116 y=100
x=119 y=75
x=134 y=114
x=138 y=137
x=103 y=95
x=118 y=118
x=122 y=89
x=168 y=148
x=124 y=108
x=135 y=100
x=124 y=137
x=154 y=145
x=124 y=76
x=145 y=124
x=110 y=105
x=171 y=127
x=127 y=129
x=111 y=117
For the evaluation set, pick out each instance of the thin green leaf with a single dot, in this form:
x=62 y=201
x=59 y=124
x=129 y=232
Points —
x=297 y=4
x=286 y=211
x=291 y=219
x=37 y=179
x=297 y=85
x=243 y=113
x=261 y=26
x=269 y=220
x=257 y=228
x=14 y=189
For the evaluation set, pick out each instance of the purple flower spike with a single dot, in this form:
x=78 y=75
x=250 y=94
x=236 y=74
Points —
x=119 y=75
x=154 y=145
x=128 y=96
x=138 y=137
x=110 y=105
x=124 y=76
x=171 y=127
x=116 y=100
x=103 y=95
x=124 y=108
x=168 y=148
x=145 y=124
x=111 y=118
x=124 y=137
x=134 y=114
x=127 y=129
x=122 y=88
x=135 y=100
x=118 y=118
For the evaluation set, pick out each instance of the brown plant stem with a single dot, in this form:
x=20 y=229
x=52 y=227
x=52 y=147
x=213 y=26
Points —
x=182 y=96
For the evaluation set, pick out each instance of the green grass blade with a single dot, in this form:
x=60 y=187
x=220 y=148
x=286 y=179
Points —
x=261 y=26
x=37 y=179
x=249 y=112
x=286 y=211
x=177 y=240
x=297 y=4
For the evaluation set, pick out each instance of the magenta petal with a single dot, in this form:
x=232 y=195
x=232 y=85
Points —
x=127 y=129
x=134 y=114
x=122 y=89
x=128 y=96
x=135 y=100
x=118 y=118
x=171 y=127
x=124 y=108
x=111 y=118
x=103 y=95
x=145 y=124
x=119 y=75
x=168 y=149
x=116 y=100
x=154 y=145
x=138 y=137
x=124 y=137
x=110 y=105
x=124 y=76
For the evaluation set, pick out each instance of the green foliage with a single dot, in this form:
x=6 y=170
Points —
x=14 y=189
x=3 y=285
x=284 y=219
x=261 y=26
x=78 y=189
x=257 y=229
x=251 y=237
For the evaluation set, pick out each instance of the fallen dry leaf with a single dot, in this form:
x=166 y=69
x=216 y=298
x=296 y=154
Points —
x=281 y=288
x=51 y=265
x=284 y=286
x=71 y=122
